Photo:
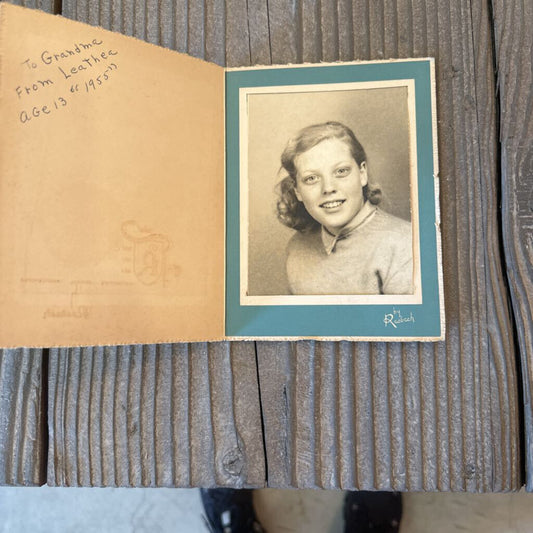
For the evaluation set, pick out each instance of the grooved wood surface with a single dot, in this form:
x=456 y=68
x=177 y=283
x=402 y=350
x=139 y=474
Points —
x=50 y=6
x=411 y=416
x=368 y=415
x=167 y=415
x=22 y=422
x=513 y=21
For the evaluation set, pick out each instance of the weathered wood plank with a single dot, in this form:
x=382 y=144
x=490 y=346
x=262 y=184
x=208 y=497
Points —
x=22 y=418
x=410 y=416
x=513 y=21
x=50 y=6
x=422 y=417
x=202 y=424
x=146 y=416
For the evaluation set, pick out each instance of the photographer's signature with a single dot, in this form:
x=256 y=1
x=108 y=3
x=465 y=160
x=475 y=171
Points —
x=396 y=318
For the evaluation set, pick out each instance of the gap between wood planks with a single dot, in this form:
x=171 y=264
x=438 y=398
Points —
x=505 y=267
x=263 y=433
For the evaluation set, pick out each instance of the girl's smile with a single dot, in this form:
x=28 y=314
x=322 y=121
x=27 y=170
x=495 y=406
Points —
x=332 y=204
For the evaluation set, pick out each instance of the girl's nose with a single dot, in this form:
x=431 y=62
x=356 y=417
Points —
x=328 y=185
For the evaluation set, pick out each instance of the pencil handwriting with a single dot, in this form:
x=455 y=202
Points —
x=52 y=80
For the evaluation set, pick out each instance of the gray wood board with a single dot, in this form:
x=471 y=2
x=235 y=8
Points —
x=402 y=416
x=167 y=415
x=409 y=416
x=22 y=418
x=513 y=22
x=50 y=6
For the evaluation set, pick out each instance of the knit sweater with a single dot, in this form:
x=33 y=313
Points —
x=372 y=255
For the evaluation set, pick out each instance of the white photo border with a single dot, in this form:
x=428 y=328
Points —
x=345 y=299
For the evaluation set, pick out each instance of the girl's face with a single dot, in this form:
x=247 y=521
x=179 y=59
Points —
x=330 y=183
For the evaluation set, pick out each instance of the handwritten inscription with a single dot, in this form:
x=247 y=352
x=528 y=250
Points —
x=94 y=83
x=33 y=88
x=50 y=80
x=40 y=111
x=48 y=58
x=87 y=63
x=396 y=319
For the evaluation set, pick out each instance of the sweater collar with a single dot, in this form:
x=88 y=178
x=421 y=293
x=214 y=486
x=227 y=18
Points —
x=330 y=241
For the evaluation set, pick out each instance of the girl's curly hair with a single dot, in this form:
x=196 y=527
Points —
x=291 y=212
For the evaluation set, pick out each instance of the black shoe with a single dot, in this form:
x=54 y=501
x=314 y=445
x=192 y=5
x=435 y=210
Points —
x=372 y=512
x=230 y=511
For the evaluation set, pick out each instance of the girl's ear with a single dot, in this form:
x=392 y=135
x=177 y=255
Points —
x=363 y=175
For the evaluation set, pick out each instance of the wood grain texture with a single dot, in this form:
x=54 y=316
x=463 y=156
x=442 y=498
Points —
x=366 y=415
x=145 y=416
x=513 y=21
x=50 y=6
x=22 y=418
x=409 y=416
x=198 y=422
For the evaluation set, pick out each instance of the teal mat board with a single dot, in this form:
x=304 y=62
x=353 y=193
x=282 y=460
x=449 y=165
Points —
x=424 y=320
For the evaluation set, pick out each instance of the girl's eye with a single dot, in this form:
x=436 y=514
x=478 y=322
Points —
x=313 y=178
x=343 y=171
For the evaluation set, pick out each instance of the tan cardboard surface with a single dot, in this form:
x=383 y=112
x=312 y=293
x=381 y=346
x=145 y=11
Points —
x=111 y=188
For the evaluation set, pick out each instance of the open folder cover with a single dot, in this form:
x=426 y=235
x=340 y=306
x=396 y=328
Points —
x=147 y=196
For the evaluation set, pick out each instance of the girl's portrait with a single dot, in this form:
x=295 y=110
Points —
x=329 y=198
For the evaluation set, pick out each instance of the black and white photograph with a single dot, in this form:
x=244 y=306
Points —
x=328 y=194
